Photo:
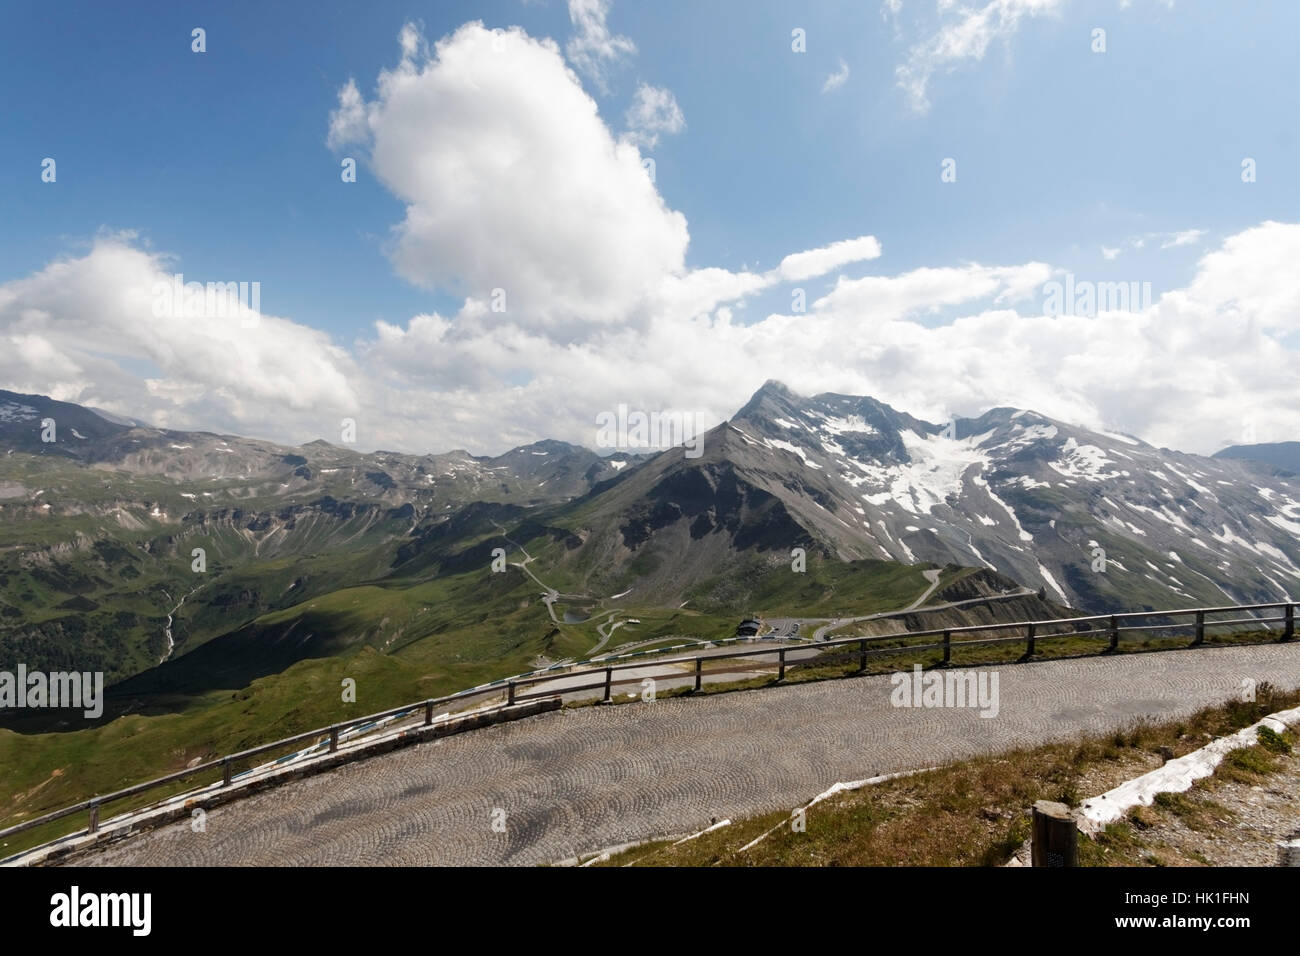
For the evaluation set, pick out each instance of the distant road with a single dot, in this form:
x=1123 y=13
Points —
x=786 y=626
x=584 y=779
x=550 y=595
x=931 y=576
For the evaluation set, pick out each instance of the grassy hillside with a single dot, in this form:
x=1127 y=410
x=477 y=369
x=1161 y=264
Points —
x=401 y=640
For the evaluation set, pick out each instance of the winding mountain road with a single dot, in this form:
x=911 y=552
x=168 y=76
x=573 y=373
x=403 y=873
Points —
x=584 y=779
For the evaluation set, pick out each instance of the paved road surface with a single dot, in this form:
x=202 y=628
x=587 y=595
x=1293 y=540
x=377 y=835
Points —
x=581 y=780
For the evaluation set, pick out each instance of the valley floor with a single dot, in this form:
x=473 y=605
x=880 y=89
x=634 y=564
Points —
x=582 y=779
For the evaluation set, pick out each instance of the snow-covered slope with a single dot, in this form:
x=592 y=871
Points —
x=1038 y=500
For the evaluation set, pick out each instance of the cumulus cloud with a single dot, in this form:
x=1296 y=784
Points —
x=105 y=329
x=1250 y=281
x=512 y=182
x=964 y=33
x=654 y=110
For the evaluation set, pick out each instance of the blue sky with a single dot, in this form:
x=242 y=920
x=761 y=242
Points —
x=220 y=160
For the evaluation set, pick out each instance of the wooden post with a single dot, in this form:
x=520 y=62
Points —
x=1029 y=641
x=1288 y=630
x=862 y=655
x=1288 y=853
x=510 y=693
x=94 y=818
x=609 y=682
x=947 y=648
x=781 y=674
x=1114 y=633
x=334 y=738
x=1200 y=629
x=1055 y=840
x=428 y=712
x=225 y=772
x=699 y=672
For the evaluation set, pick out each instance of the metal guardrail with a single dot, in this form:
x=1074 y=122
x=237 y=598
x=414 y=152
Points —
x=1034 y=631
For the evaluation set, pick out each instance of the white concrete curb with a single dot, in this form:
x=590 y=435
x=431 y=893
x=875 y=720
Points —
x=1176 y=776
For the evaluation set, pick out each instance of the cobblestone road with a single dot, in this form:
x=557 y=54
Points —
x=581 y=780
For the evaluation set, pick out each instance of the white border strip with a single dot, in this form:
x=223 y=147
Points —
x=1176 y=776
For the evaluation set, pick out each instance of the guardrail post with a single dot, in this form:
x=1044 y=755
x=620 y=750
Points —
x=510 y=693
x=781 y=674
x=1288 y=630
x=334 y=738
x=428 y=712
x=1029 y=640
x=1055 y=838
x=947 y=648
x=225 y=772
x=1114 y=633
x=1288 y=853
x=94 y=817
x=699 y=672
x=1200 y=629
x=609 y=682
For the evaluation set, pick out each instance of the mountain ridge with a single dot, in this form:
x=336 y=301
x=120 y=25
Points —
x=97 y=525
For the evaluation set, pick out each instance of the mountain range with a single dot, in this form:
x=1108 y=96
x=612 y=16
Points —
x=310 y=550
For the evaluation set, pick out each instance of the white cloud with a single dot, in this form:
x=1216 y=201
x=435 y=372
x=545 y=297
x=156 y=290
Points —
x=592 y=49
x=1183 y=373
x=348 y=122
x=512 y=181
x=85 y=329
x=837 y=79
x=929 y=289
x=816 y=262
x=964 y=33
x=1166 y=240
x=654 y=110
x=1185 y=238
x=1251 y=280
x=411 y=41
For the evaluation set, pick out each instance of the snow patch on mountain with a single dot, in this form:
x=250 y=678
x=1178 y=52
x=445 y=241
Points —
x=851 y=425
x=933 y=474
x=793 y=449
x=1024 y=535
x=1083 y=461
